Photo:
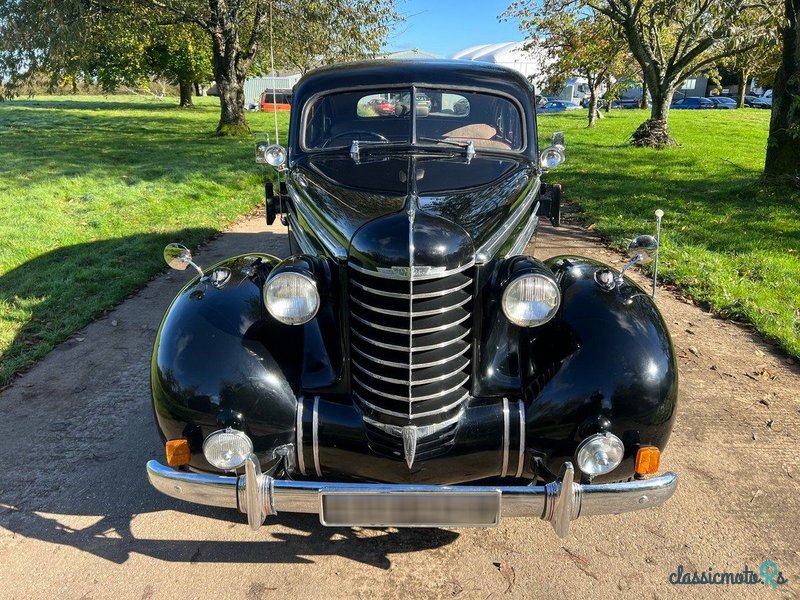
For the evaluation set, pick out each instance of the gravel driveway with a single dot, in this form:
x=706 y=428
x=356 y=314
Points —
x=79 y=520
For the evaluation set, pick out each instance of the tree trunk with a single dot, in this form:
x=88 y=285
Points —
x=654 y=133
x=186 y=93
x=594 y=114
x=783 y=147
x=742 y=91
x=230 y=85
x=197 y=91
x=644 y=102
x=608 y=94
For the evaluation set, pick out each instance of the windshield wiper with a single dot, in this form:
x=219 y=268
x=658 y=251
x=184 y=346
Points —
x=468 y=146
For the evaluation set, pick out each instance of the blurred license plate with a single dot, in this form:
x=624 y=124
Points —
x=411 y=509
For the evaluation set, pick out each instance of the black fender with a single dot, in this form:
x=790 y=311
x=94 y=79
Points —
x=211 y=368
x=620 y=376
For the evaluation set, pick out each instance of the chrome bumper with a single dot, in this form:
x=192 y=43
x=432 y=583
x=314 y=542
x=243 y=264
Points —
x=560 y=502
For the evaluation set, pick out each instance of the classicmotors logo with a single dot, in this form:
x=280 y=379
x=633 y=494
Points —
x=768 y=574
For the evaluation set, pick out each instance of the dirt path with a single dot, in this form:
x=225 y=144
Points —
x=79 y=520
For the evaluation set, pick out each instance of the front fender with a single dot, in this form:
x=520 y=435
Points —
x=210 y=367
x=621 y=376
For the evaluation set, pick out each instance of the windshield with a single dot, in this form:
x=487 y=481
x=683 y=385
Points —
x=385 y=116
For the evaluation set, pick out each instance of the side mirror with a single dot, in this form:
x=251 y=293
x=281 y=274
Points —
x=642 y=249
x=179 y=257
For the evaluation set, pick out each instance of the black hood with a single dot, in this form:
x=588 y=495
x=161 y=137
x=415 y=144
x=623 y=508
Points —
x=449 y=195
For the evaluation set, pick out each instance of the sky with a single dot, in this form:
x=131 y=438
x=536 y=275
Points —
x=445 y=26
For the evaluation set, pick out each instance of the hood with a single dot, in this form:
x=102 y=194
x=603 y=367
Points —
x=476 y=197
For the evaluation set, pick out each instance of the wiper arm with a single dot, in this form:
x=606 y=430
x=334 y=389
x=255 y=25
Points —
x=468 y=146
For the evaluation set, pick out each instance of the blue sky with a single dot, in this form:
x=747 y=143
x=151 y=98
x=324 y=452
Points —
x=446 y=26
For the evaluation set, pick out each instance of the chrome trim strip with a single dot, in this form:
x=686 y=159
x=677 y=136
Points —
x=521 y=460
x=411 y=382
x=411 y=277
x=413 y=416
x=416 y=348
x=423 y=431
x=390 y=363
x=405 y=296
x=315 y=435
x=301 y=461
x=493 y=244
x=525 y=237
x=559 y=501
x=301 y=237
x=409 y=399
x=331 y=245
x=411 y=331
x=506 y=433
x=403 y=313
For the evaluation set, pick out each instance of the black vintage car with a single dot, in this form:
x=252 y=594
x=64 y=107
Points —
x=409 y=365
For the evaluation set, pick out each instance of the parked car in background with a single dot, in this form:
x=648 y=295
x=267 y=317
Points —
x=766 y=98
x=723 y=102
x=692 y=103
x=410 y=344
x=625 y=103
x=555 y=106
x=756 y=102
x=278 y=100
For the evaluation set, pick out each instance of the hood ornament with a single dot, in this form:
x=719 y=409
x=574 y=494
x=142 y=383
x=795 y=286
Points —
x=410 y=443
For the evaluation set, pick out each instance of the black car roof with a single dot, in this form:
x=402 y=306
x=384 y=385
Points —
x=424 y=72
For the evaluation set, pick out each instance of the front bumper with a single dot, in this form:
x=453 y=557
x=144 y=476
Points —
x=395 y=505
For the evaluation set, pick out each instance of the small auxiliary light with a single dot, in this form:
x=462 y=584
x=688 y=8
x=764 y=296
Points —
x=647 y=460
x=178 y=452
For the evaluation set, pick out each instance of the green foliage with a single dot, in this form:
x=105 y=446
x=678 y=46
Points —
x=91 y=189
x=729 y=240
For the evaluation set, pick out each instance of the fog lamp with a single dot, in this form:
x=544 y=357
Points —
x=275 y=155
x=531 y=300
x=291 y=297
x=600 y=453
x=227 y=449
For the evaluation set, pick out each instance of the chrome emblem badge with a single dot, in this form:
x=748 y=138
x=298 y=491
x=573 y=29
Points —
x=410 y=443
x=411 y=272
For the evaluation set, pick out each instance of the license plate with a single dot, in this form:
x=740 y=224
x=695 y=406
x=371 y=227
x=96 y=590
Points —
x=410 y=509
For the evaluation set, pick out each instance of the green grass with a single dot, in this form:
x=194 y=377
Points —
x=91 y=189
x=728 y=240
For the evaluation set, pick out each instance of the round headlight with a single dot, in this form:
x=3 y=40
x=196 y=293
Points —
x=551 y=157
x=275 y=155
x=292 y=298
x=531 y=300
x=600 y=453
x=227 y=449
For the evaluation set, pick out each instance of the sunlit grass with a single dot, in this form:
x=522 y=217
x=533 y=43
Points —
x=90 y=191
x=728 y=239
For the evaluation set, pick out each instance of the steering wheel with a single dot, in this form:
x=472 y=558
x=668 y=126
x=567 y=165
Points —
x=355 y=135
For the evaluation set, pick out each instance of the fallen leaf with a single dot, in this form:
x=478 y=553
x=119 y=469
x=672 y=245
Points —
x=507 y=571
x=770 y=423
x=114 y=323
x=694 y=351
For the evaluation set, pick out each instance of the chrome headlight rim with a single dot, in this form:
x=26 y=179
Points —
x=587 y=446
x=516 y=280
x=275 y=276
x=213 y=437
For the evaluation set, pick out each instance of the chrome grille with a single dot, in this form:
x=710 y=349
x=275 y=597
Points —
x=410 y=355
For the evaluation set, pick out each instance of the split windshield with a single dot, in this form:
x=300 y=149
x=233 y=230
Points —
x=393 y=115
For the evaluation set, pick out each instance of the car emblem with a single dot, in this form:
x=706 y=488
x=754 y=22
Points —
x=409 y=443
x=411 y=272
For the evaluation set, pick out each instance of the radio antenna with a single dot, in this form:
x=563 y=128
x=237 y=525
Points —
x=272 y=66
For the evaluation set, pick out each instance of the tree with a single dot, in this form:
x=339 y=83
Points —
x=585 y=44
x=671 y=40
x=240 y=28
x=783 y=147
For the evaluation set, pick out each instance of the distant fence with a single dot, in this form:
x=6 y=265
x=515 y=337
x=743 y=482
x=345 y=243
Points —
x=255 y=85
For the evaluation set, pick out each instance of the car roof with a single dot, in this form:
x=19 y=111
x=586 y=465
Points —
x=422 y=72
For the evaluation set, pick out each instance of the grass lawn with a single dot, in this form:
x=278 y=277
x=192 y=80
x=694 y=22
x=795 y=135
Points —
x=91 y=189
x=727 y=239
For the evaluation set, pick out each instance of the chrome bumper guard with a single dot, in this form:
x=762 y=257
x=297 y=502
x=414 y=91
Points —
x=560 y=502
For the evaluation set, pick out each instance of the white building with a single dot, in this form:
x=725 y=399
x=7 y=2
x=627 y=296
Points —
x=508 y=54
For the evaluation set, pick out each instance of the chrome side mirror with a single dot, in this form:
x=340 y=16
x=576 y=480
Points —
x=179 y=257
x=642 y=249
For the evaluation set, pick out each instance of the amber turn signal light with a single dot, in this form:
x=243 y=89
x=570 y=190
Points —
x=178 y=453
x=647 y=460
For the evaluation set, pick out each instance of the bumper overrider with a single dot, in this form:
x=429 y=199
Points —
x=399 y=505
